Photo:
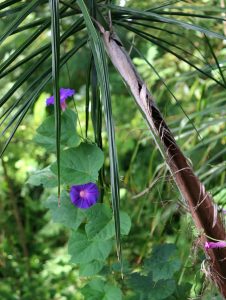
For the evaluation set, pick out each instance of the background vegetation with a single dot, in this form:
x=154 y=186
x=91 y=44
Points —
x=34 y=260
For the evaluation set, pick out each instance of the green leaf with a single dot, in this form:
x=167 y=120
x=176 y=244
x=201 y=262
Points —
x=100 y=224
x=125 y=223
x=91 y=268
x=67 y=214
x=183 y=290
x=164 y=262
x=162 y=289
x=46 y=136
x=80 y=165
x=43 y=177
x=220 y=196
x=82 y=250
x=98 y=290
x=150 y=289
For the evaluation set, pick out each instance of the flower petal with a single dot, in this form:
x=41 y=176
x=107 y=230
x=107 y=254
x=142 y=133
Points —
x=84 y=195
x=63 y=105
x=212 y=245
x=64 y=94
x=50 y=101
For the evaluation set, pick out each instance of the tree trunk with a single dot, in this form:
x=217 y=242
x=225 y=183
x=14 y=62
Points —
x=192 y=190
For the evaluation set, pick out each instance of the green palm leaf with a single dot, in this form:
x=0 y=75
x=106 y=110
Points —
x=25 y=12
x=102 y=73
x=31 y=95
x=147 y=15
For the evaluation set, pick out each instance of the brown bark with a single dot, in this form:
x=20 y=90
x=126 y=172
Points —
x=192 y=190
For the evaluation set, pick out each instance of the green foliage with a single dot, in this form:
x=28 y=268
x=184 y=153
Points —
x=84 y=250
x=66 y=214
x=43 y=177
x=164 y=262
x=46 y=136
x=157 y=279
x=99 y=290
x=100 y=224
x=99 y=56
x=181 y=66
x=92 y=268
x=149 y=289
x=90 y=242
x=90 y=249
x=182 y=291
x=80 y=165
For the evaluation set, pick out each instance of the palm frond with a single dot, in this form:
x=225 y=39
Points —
x=44 y=25
x=76 y=26
x=87 y=93
x=156 y=41
x=21 y=16
x=216 y=61
x=31 y=25
x=33 y=96
x=24 y=77
x=167 y=88
x=147 y=15
x=7 y=3
x=55 y=30
x=12 y=11
x=183 y=14
x=32 y=93
x=103 y=77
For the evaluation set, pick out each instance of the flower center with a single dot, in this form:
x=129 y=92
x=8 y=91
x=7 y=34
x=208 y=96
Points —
x=82 y=194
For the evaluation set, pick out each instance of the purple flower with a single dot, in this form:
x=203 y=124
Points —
x=64 y=94
x=84 y=195
x=211 y=245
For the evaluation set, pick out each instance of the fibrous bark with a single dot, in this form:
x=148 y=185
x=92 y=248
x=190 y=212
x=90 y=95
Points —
x=192 y=190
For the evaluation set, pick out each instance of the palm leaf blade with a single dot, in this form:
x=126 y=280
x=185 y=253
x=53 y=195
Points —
x=102 y=72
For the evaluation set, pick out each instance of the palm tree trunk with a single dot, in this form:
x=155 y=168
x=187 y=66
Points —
x=192 y=190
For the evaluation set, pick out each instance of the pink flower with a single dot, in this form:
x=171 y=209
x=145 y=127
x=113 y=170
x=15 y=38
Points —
x=211 y=245
x=64 y=94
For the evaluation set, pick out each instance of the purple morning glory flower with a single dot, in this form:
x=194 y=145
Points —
x=64 y=94
x=84 y=195
x=211 y=245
